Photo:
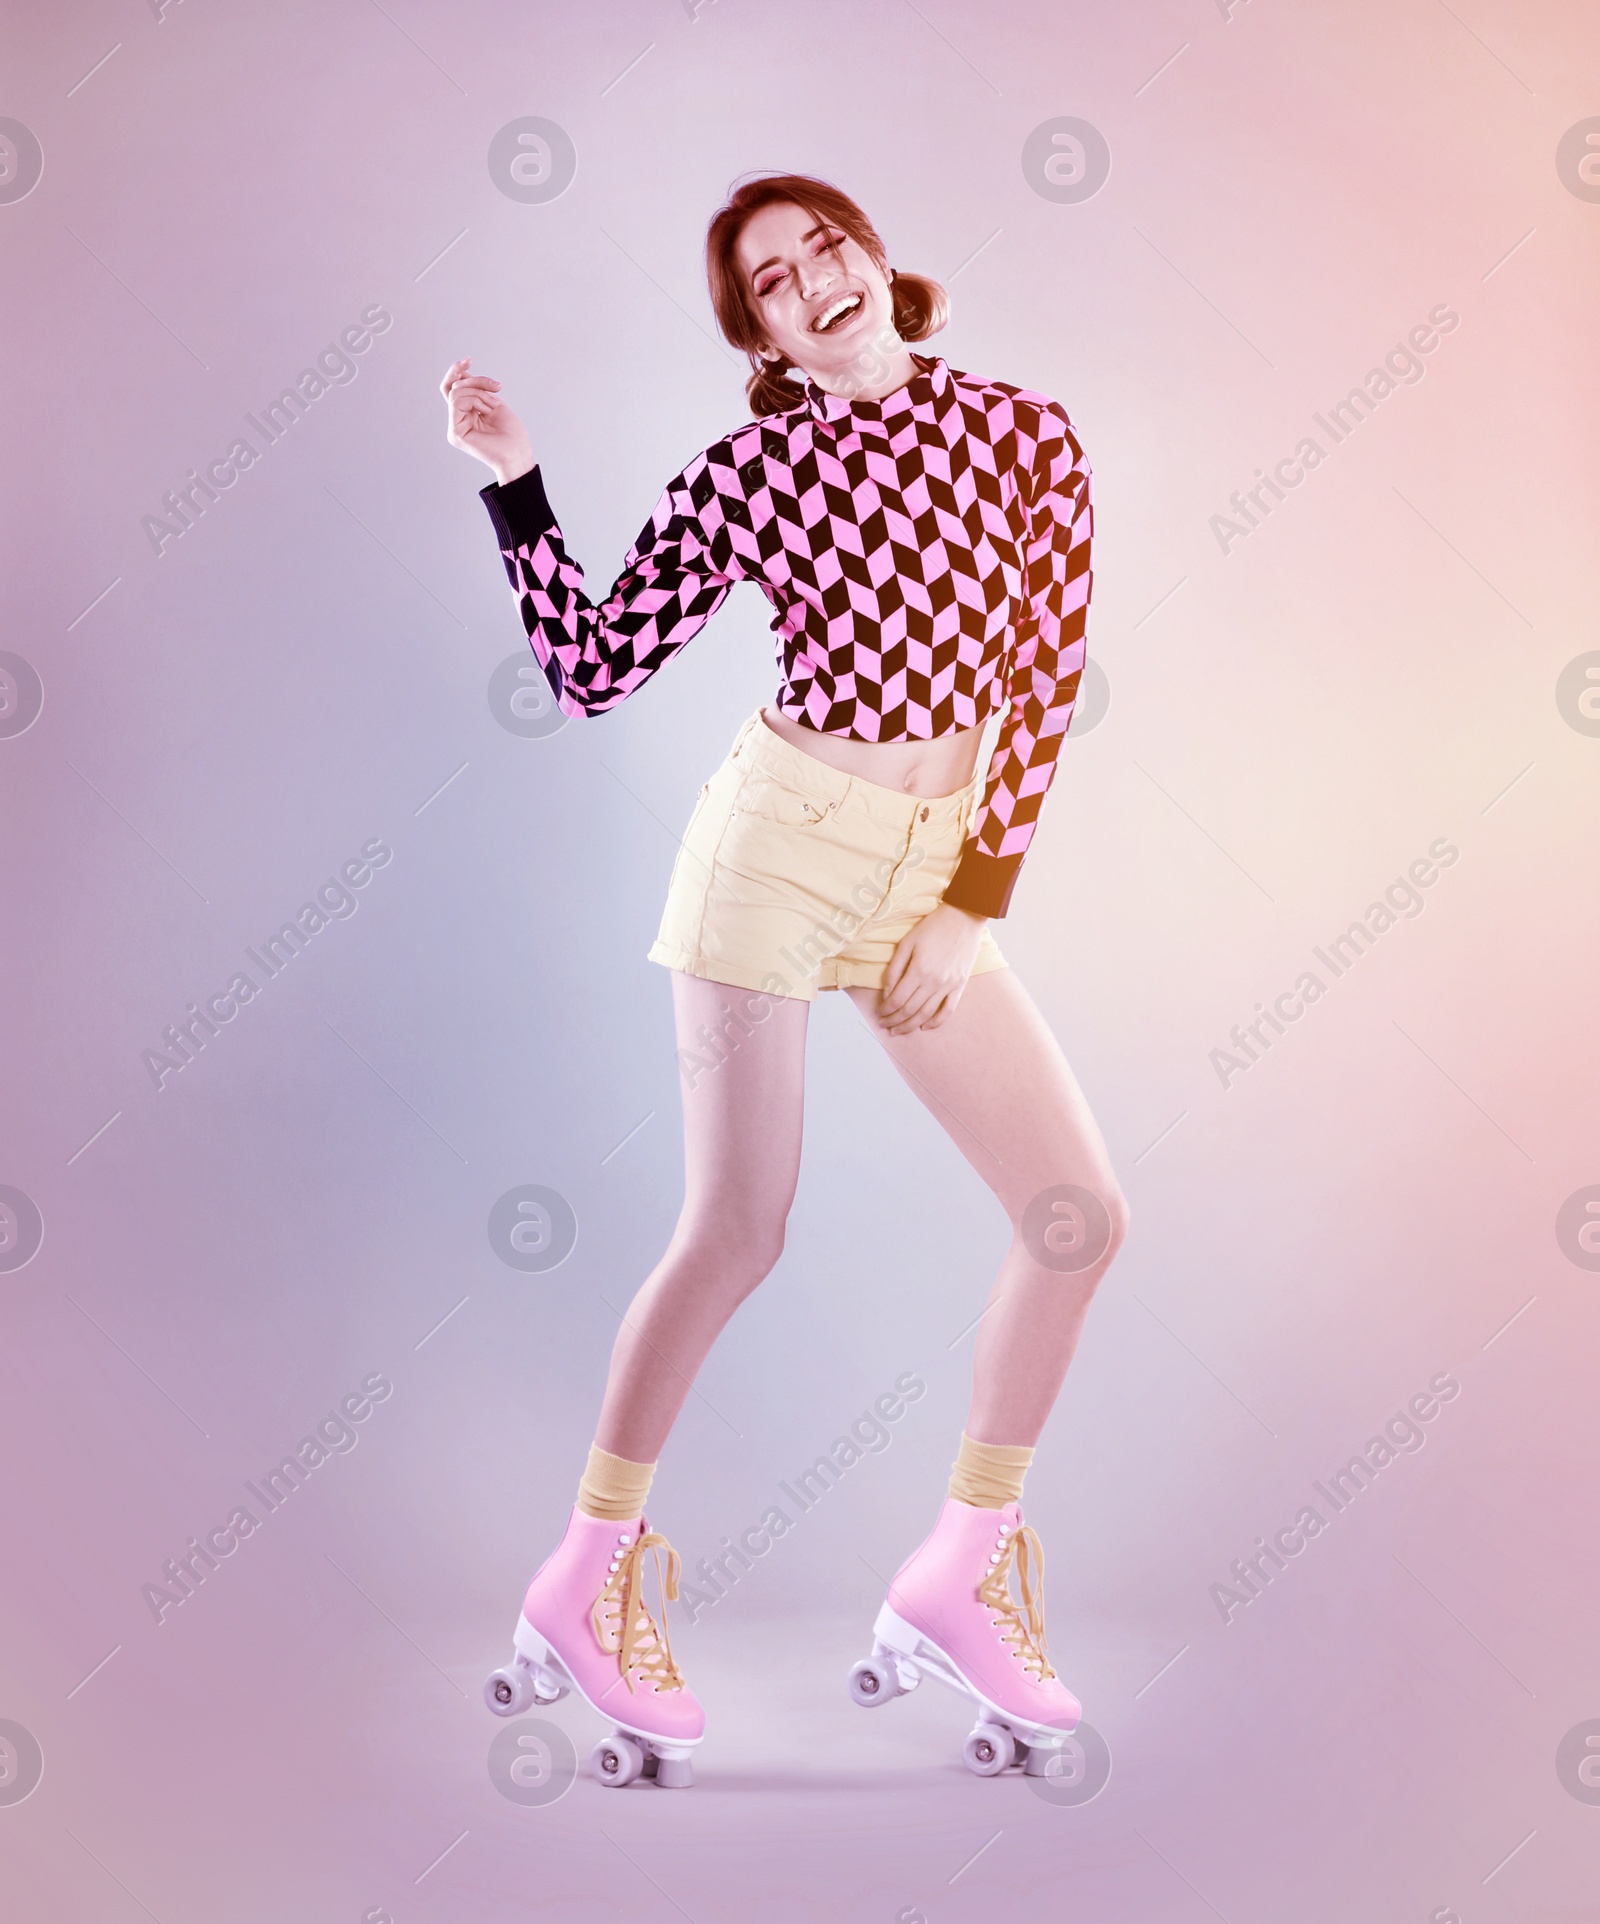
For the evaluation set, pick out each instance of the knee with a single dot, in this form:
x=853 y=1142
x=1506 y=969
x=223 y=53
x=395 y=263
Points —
x=738 y=1246
x=1079 y=1238
x=1117 y=1209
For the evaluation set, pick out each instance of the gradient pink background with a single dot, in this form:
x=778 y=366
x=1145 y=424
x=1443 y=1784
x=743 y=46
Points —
x=1291 y=725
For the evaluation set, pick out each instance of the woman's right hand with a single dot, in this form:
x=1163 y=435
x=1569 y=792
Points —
x=482 y=424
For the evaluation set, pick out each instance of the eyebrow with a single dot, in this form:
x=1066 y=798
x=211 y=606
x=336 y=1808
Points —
x=822 y=227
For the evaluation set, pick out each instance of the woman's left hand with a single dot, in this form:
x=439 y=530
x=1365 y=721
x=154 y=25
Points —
x=929 y=969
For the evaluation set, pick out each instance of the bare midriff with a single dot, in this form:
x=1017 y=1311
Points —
x=929 y=769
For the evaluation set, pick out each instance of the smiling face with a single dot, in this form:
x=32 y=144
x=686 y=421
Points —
x=821 y=299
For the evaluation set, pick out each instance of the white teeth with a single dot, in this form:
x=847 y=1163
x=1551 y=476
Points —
x=848 y=303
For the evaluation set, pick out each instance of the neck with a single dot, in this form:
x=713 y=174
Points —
x=853 y=386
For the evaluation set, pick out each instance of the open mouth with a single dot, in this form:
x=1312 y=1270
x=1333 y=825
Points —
x=836 y=313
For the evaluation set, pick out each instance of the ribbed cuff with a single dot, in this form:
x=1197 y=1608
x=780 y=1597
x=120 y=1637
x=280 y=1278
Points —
x=982 y=883
x=989 y=1475
x=614 y=1487
x=519 y=510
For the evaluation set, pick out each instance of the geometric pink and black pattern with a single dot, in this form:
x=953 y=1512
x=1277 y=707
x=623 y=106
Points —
x=927 y=557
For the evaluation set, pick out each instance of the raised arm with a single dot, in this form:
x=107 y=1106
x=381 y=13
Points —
x=1042 y=684
x=593 y=655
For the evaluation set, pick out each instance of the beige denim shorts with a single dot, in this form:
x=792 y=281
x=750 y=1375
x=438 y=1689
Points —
x=795 y=877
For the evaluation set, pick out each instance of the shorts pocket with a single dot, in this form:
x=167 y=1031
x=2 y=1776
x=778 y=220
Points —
x=692 y=863
x=770 y=799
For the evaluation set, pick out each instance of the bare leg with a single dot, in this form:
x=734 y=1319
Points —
x=741 y=1124
x=994 y=1075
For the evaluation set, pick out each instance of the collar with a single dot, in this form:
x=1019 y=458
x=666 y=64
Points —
x=930 y=381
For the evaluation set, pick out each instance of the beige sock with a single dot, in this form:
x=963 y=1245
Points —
x=614 y=1488
x=989 y=1475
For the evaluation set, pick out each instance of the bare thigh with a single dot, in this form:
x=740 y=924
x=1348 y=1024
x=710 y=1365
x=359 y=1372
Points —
x=741 y=1059
x=995 y=1076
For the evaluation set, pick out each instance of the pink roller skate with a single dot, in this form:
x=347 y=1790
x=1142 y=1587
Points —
x=584 y=1627
x=950 y=1614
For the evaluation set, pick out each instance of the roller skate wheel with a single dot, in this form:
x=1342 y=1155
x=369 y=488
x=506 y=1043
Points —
x=510 y=1690
x=989 y=1749
x=872 y=1682
x=616 y=1761
x=674 y=1773
x=1039 y=1758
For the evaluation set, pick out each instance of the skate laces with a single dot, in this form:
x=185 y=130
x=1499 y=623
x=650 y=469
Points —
x=623 y=1623
x=1021 y=1627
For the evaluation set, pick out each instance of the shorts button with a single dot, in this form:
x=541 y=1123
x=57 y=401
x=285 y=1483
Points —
x=923 y=816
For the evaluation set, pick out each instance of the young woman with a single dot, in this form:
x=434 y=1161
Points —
x=923 y=536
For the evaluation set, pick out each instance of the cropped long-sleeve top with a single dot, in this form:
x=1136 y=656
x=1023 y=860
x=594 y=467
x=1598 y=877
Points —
x=926 y=555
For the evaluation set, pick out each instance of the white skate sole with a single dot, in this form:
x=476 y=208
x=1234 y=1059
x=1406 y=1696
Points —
x=902 y=1656
x=536 y=1677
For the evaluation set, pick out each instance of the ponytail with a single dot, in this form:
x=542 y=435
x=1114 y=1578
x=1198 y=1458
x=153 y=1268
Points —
x=921 y=306
x=770 y=390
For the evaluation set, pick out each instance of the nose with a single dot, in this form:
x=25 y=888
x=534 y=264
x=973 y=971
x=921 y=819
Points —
x=816 y=275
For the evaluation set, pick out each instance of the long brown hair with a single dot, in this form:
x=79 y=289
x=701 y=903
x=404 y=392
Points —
x=921 y=306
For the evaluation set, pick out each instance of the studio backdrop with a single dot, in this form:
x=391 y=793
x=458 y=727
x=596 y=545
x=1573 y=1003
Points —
x=342 y=1108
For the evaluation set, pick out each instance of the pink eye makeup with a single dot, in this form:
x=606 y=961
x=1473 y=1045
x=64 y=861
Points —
x=768 y=282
